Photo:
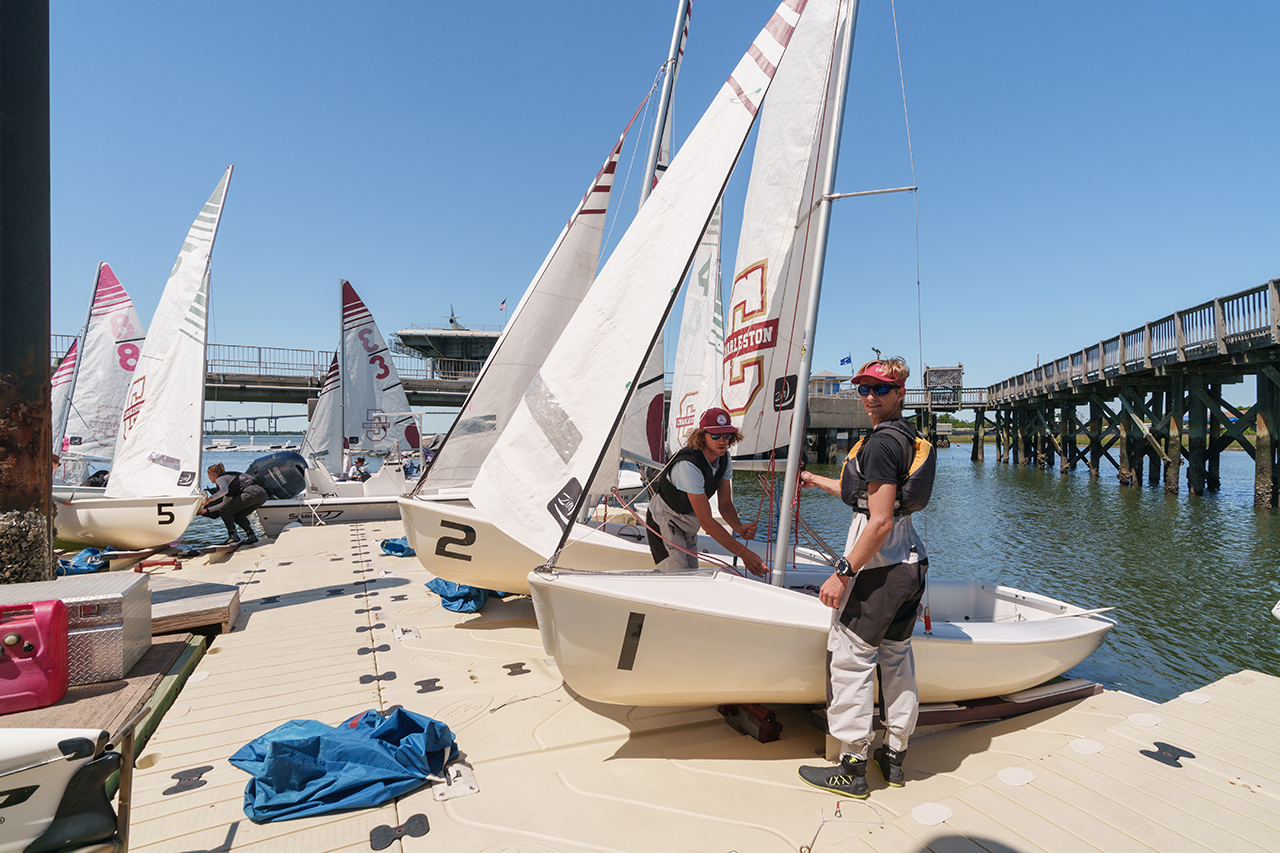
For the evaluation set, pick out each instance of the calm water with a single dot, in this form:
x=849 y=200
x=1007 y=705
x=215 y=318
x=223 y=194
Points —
x=1193 y=580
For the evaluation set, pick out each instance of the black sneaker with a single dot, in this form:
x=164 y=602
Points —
x=848 y=778
x=234 y=540
x=250 y=539
x=890 y=763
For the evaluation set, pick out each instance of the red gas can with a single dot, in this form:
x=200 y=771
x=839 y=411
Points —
x=33 y=655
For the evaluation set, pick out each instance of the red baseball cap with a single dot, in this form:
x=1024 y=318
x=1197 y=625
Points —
x=876 y=374
x=716 y=421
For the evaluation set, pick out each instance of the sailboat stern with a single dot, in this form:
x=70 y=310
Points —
x=126 y=523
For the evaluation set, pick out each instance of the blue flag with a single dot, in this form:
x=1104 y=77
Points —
x=848 y=359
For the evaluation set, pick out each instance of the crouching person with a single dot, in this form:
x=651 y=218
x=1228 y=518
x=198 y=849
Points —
x=235 y=496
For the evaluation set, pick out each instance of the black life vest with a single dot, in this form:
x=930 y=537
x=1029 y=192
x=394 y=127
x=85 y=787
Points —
x=677 y=499
x=239 y=483
x=915 y=484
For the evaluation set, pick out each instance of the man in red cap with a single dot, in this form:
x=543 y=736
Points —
x=876 y=588
x=681 y=503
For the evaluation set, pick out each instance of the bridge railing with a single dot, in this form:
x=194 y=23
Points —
x=1227 y=324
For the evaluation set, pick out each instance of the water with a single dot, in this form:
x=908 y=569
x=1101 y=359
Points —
x=1193 y=580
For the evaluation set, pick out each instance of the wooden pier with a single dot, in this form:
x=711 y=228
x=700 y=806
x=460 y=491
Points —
x=1152 y=398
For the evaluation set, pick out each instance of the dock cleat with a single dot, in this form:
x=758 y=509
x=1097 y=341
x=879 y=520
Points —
x=848 y=778
x=890 y=764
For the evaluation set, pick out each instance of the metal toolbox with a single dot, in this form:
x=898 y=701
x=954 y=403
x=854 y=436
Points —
x=109 y=620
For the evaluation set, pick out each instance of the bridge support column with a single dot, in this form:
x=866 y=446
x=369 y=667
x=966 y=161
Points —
x=1046 y=438
x=1067 y=438
x=1173 y=446
x=1264 y=447
x=1212 y=480
x=1002 y=436
x=979 y=436
x=1125 y=474
x=1153 y=475
x=1095 y=439
x=1197 y=437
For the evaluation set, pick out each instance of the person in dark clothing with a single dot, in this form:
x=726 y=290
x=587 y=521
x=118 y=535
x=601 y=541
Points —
x=681 y=503
x=876 y=588
x=235 y=496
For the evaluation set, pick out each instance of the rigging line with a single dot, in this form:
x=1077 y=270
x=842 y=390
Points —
x=631 y=164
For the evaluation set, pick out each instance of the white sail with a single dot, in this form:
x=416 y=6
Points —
x=323 y=440
x=375 y=407
x=60 y=394
x=641 y=432
x=695 y=384
x=161 y=427
x=532 y=482
x=766 y=312
x=535 y=325
x=113 y=340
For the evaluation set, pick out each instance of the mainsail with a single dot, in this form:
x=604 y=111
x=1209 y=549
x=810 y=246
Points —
x=532 y=483
x=535 y=325
x=323 y=440
x=162 y=423
x=695 y=385
x=767 y=308
x=60 y=393
x=113 y=338
x=641 y=434
x=375 y=408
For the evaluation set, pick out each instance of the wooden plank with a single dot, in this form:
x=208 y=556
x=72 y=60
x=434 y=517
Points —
x=180 y=605
x=1189 y=820
x=1027 y=822
x=109 y=704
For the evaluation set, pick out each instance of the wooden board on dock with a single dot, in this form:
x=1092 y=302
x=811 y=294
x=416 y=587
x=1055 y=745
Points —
x=182 y=605
x=108 y=704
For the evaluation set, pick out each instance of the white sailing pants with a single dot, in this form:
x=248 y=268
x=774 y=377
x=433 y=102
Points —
x=851 y=689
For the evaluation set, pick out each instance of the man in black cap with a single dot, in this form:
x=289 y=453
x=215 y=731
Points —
x=681 y=503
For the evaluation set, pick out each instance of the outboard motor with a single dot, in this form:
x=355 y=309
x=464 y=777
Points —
x=282 y=474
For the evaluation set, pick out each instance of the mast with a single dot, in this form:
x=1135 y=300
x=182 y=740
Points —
x=75 y=374
x=664 y=100
x=796 y=446
x=342 y=385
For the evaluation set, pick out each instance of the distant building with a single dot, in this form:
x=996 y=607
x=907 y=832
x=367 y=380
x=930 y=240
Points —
x=826 y=383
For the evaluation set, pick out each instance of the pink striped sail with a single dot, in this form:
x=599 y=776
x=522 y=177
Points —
x=545 y=308
x=375 y=409
x=537 y=476
x=60 y=394
x=323 y=440
x=113 y=339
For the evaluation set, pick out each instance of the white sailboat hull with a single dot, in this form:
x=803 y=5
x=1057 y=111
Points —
x=705 y=639
x=36 y=763
x=126 y=523
x=275 y=515
x=455 y=542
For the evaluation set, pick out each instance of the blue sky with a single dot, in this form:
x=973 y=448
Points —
x=1083 y=167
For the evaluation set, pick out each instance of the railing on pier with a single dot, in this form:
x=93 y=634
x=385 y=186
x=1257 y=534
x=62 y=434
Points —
x=302 y=363
x=1242 y=321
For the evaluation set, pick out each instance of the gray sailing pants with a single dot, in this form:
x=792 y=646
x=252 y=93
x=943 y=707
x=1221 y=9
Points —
x=681 y=529
x=851 y=690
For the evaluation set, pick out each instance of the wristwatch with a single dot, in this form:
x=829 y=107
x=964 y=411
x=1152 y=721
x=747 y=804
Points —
x=843 y=569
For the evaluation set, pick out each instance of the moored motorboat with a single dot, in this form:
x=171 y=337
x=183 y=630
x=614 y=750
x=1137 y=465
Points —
x=713 y=638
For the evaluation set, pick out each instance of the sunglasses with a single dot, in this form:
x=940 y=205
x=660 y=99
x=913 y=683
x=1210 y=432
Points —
x=723 y=436
x=878 y=390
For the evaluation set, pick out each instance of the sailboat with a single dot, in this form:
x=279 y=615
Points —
x=154 y=491
x=712 y=637
x=438 y=510
x=362 y=408
x=89 y=386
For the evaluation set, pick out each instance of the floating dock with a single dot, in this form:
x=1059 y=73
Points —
x=329 y=627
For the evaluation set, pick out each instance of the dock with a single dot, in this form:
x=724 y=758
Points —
x=329 y=627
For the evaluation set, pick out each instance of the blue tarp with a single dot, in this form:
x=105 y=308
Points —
x=397 y=547
x=305 y=768
x=459 y=597
x=86 y=562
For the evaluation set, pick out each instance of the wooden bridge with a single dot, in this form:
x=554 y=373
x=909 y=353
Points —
x=1153 y=394
x=242 y=374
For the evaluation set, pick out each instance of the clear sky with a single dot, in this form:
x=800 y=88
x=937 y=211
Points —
x=1083 y=167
